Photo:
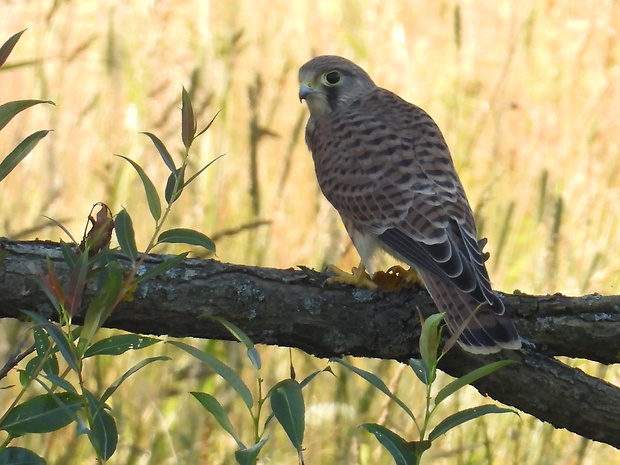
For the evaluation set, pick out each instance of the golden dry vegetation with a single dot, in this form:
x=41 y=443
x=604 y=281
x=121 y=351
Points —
x=527 y=94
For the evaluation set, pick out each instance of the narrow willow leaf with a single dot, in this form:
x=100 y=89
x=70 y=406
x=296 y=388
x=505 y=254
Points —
x=376 y=382
x=243 y=338
x=311 y=376
x=48 y=363
x=60 y=382
x=398 y=448
x=162 y=267
x=152 y=196
x=119 y=344
x=188 y=121
x=20 y=152
x=220 y=368
x=138 y=366
x=254 y=357
x=42 y=414
x=65 y=346
x=68 y=253
x=125 y=235
x=101 y=305
x=7 y=47
x=287 y=403
x=103 y=433
x=215 y=408
x=206 y=128
x=19 y=456
x=45 y=352
x=63 y=342
x=10 y=109
x=186 y=236
x=195 y=175
x=429 y=341
x=163 y=151
x=469 y=378
x=463 y=416
x=175 y=185
x=420 y=369
x=248 y=456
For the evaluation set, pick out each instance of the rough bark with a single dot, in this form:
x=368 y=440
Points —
x=292 y=308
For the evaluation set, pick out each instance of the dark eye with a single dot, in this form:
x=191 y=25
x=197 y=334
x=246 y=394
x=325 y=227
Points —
x=332 y=78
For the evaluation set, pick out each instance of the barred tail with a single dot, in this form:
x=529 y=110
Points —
x=486 y=328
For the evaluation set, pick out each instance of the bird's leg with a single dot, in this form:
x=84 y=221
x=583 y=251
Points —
x=358 y=277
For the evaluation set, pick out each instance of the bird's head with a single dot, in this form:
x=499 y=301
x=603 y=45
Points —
x=329 y=82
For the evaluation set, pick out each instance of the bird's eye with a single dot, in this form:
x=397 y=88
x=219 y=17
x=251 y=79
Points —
x=332 y=78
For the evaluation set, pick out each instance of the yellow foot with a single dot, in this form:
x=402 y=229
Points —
x=358 y=277
x=397 y=278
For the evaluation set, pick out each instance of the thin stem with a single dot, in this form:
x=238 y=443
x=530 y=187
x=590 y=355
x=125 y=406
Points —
x=6 y=442
x=259 y=407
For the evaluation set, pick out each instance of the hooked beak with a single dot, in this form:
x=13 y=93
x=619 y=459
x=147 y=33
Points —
x=305 y=91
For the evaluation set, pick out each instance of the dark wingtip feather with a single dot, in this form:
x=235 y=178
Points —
x=490 y=339
x=482 y=329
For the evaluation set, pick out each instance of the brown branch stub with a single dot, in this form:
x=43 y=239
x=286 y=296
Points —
x=293 y=308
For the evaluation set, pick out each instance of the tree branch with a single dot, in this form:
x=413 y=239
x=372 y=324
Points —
x=292 y=308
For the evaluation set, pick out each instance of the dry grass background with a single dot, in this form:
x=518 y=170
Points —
x=527 y=94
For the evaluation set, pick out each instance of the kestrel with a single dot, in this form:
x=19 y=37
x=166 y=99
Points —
x=384 y=164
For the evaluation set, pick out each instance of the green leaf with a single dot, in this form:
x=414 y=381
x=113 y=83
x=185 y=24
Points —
x=186 y=236
x=469 y=378
x=220 y=368
x=42 y=414
x=420 y=369
x=206 y=128
x=149 y=188
x=163 y=151
x=62 y=383
x=248 y=456
x=125 y=235
x=311 y=376
x=376 y=382
x=20 y=152
x=7 y=47
x=20 y=456
x=464 y=416
x=215 y=408
x=287 y=403
x=48 y=363
x=103 y=433
x=188 y=121
x=254 y=357
x=162 y=267
x=398 y=448
x=195 y=175
x=119 y=344
x=10 y=109
x=175 y=185
x=238 y=334
x=138 y=366
x=63 y=342
x=429 y=342
x=45 y=351
x=101 y=305
x=68 y=252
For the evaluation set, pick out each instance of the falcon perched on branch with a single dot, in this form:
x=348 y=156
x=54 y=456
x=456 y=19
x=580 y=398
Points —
x=385 y=166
